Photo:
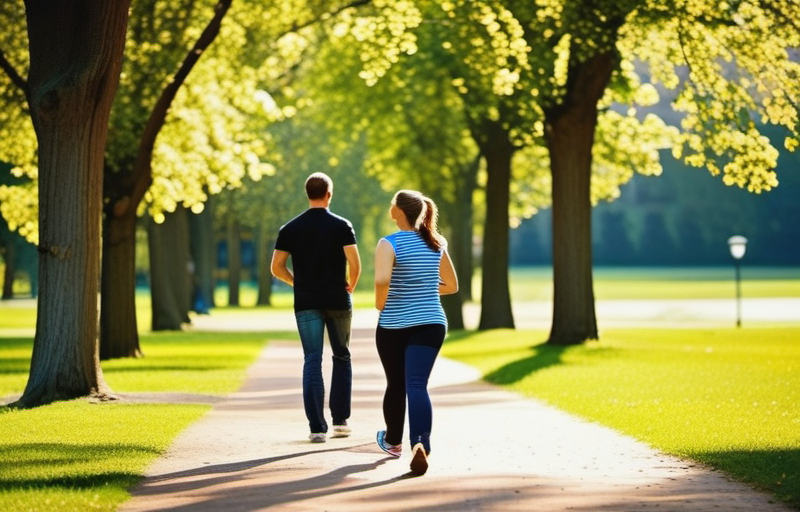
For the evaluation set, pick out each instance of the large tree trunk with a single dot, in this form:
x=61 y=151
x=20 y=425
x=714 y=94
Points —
x=202 y=246
x=170 y=284
x=570 y=135
x=9 y=257
x=119 y=334
x=458 y=217
x=498 y=150
x=453 y=305
x=463 y=230
x=234 y=243
x=264 y=257
x=75 y=58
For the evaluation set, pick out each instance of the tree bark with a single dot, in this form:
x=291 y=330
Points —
x=570 y=132
x=264 y=258
x=498 y=150
x=202 y=247
x=169 y=271
x=234 y=243
x=9 y=257
x=119 y=333
x=75 y=58
x=458 y=217
x=463 y=230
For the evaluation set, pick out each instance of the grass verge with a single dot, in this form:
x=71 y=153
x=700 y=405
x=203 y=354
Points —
x=83 y=456
x=612 y=283
x=724 y=397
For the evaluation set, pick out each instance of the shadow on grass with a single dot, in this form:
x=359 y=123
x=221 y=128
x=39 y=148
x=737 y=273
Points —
x=68 y=466
x=16 y=343
x=544 y=356
x=13 y=365
x=776 y=471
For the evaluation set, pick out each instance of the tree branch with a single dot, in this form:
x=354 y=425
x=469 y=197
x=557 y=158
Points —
x=142 y=168
x=297 y=26
x=16 y=79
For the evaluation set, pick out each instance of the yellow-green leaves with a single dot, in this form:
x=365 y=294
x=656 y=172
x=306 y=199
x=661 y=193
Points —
x=731 y=65
x=19 y=206
x=625 y=144
x=387 y=32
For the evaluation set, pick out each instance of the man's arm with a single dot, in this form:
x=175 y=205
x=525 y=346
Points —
x=279 y=268
x=354 y=266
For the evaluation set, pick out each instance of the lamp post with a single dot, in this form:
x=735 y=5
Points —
x=738 y=246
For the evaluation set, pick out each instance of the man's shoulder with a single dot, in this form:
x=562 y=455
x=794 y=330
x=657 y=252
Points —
x=297 y=219
x=340 y=219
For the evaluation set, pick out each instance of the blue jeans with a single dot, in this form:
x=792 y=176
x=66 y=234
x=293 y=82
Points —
x=311 y=324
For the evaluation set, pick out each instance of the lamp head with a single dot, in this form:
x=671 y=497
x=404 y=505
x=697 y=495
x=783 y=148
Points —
x=738 y=246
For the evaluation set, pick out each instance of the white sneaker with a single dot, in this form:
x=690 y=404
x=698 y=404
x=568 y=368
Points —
x=317 y=437
x=341 y=430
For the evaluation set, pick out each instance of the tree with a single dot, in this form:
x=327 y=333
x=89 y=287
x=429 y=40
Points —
x=170 y=275
x=139 y=118
x=595 y=45
x=215 y=109
x=75 y=58
x=160 y=37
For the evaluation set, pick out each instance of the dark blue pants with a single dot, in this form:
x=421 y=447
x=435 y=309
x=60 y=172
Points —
x=311 y=324
x=408 y=356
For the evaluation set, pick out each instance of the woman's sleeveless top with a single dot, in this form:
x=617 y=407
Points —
x=414 y=288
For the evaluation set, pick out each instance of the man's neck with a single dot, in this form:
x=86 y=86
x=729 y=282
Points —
x=318 y=204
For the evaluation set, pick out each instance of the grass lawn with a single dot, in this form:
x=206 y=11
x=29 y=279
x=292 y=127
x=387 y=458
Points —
x=81 y=456
x=535 y=283
x=725 y=397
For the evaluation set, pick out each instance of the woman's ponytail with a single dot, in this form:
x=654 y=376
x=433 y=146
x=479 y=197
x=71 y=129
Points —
x=421 y=213
x=428 y=228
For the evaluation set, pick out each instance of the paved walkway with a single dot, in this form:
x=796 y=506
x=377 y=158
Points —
x=492 y=451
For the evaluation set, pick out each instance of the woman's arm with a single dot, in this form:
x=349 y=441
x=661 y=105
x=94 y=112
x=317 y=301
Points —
x=384 y=262
x=448 y=280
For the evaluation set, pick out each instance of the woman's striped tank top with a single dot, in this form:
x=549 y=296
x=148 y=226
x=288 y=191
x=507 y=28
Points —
x=414 y=288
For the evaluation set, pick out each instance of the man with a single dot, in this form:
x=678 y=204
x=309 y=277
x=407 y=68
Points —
x=325 y=269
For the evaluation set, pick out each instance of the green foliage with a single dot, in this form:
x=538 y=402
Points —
x=725 y=397
x=413 y=79
x=18 y=202
x=732 y=67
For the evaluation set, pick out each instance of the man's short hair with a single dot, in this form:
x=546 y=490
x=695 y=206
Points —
x=317 y=185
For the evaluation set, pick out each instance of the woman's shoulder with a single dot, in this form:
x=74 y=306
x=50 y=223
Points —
x=400 y=235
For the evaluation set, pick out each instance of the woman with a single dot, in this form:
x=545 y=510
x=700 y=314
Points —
x=412 y=269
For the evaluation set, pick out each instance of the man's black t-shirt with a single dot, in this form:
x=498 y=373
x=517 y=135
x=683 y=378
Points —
x=315 y=239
